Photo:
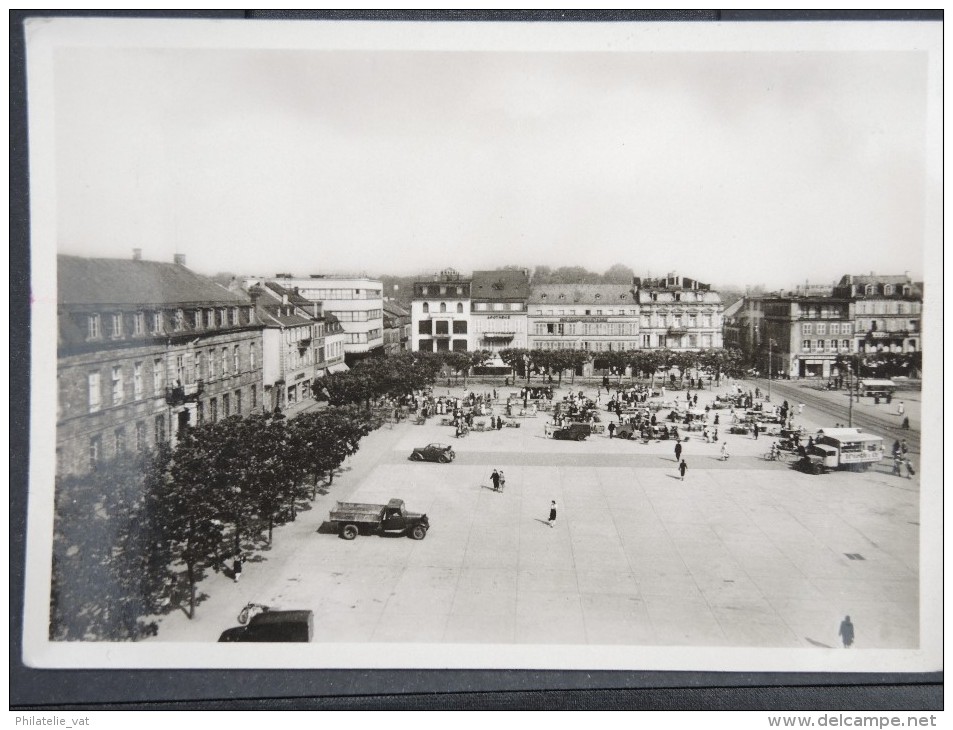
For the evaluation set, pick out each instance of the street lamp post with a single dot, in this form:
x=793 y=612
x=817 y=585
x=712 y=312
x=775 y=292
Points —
x=770 y=366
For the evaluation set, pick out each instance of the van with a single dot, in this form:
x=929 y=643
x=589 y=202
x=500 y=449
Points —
x=274 y=626
x=573 y=432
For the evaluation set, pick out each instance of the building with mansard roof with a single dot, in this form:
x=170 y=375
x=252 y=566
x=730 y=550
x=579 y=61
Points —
x=144 y=349
x=678 y=313
x=886 y=312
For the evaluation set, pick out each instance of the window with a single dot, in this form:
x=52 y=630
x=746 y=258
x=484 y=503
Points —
x=209 y=318
x=845 y=344
x=93 y=330
x=459 y=308
x=442 y=327
x=845 y=328
x=236 y=360
x=806 y=345
x=254 y=397
x=139 y=323
x=156 y=322
x=222 y=317
x=120 y=435
x=137 y=380
x=140 y=436
x=706 y=320
x=459 y=327
x=211 y=364
x=158 y=379
x=693 y=341
x=888 y=289
x=178 y=320
x=821 y=328
x=425 y=327
x=95 y=451
x=160 y=429
x=199 y=413
x=225 y=405
x=869 y=290
x=94 y=392
x=117 y=384
x=807 y=329
x=212 y=410
x=426 y=305
x=253 y=358
x=224 y=362
x=238 y=402
x=443 y=307
x=235 y=316
x=706 y=341
x=647 y=341
x=835 y=329
x=115 y=331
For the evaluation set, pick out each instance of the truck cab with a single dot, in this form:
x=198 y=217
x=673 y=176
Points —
x=844 y=448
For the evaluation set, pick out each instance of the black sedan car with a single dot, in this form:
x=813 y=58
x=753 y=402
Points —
x=434 y=452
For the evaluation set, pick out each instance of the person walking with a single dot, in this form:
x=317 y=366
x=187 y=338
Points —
x=897 y=462
x=237 y=567
x=800 y=408
x=900 y=409
x=502 y=481
x=495 y=478
x=682 y=468
x=724 y=451
x=611 y=429
x=678 y=451
x=846 y=632
x=552 y=513
x=756 y=430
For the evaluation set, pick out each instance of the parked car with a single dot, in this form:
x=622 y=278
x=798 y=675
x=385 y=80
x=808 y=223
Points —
x=274 y=626
x=434 y=452
x=573 y=432
x=351 y=519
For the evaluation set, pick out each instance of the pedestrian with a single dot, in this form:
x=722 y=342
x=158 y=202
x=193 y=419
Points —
x=897 y=462
x=910 y=470
x=900 y=409
x=846 y=632
x=695 y=399
x=896 y=448
x=492 y=422
x=682 y=468
x=495 y=478
x=904 y=448
x=502 y=480
x=552 y=513
x=494 y=394
x=724 y=451
x=678 y=451
x=800 y=408
x=611 y=429
x=237 y=567
x=499 y=423
x=717 y=419
x=756 y=431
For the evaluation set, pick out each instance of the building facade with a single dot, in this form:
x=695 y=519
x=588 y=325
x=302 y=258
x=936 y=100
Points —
x=887 y=311
x=144 y=350
x=804 y=335
x=356 y=301
x=498 y=309
x=592 y=317
x=440 y=314
x=678 y=313
x=397 y=324
x=742 y=327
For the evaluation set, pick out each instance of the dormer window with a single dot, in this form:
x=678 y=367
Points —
x=139 y=323
x=115 y=330
x=93 y=331
x=888 y=289
x=178 y=320
x=906 y=290
x=209 y=318
x=598 y=296
x=562 y=296
x=423 y=290
x=542 y=296
x=156 y=322
x=869 y=290
x=197 y=319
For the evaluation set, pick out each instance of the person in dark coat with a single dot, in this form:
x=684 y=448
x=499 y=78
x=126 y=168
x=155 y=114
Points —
x=499 y=423
x=237 y=567
x=846 y=632
x=495 y=478
x=611 y=429
x=756 y=431
x=678 y=451
x=552 y=513
x=682 y=468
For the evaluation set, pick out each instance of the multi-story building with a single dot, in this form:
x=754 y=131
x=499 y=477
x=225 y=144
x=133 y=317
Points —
x=804 y=335
x=145 y=349
x=440 y=313
x=592 y=317
x=294 y=345
x=742 y=325
x=498 y=309
x=886 y=311
x=397 y=323
x=356 y=301
x=677 y=313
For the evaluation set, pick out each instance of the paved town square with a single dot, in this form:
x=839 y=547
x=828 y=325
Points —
x=744 y=553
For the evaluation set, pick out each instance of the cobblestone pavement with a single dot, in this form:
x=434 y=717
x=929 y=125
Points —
x=743 y=553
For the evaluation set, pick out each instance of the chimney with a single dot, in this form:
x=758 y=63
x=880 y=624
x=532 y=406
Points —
x=137 y=254
x=179 y=259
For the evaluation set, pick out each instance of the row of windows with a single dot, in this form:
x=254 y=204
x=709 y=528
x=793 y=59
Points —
x=586 y=328
x=499 y=307
x=442 y=289
x=887 y=325
x=825 y=345
x=362 y=338
x=823 y=312
x=442 y=307
x=441 y=327
x=888 y=289
x=588 y=312
x=887 y=307
x=231 y=405
x=834 y=328
x=442 y=345
x=322 y=294
x=186 y=368
x=115 y=325
x=646 y=342
x=359 y=316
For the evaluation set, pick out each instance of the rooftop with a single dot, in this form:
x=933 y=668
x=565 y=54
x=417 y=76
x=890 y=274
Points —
x=607 y=294
x=500 y=284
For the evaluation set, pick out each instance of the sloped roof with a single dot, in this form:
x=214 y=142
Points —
x=500 y=284
x=294 y=297
x=271 y=315
x=602 y=294
x=94 y=281
x=394 y=309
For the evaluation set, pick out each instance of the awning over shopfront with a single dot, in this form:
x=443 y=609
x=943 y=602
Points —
x=499 y=335
x=338 y=368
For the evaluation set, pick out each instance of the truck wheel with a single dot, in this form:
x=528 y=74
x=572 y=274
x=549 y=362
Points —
x=580 y=437
x=349 y=532
x=444 y=459
x=419 y=532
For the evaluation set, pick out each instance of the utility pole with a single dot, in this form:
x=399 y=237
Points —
x=850 y=396
x=770 y=345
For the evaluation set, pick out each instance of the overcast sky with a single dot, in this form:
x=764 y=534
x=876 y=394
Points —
x=732 y=168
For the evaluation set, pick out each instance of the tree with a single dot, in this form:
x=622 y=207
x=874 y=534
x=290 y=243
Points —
x=576 y=359
x=618 y=274
x=517 y=358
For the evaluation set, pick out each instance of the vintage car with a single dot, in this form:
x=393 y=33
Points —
x=573 y=432
x=273 y=626
x=434 y=452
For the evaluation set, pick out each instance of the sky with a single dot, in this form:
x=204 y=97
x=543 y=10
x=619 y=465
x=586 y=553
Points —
x=732 y=168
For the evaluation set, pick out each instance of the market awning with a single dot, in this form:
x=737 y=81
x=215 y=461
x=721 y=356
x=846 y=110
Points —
x=499 y=335
x=338 y=368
